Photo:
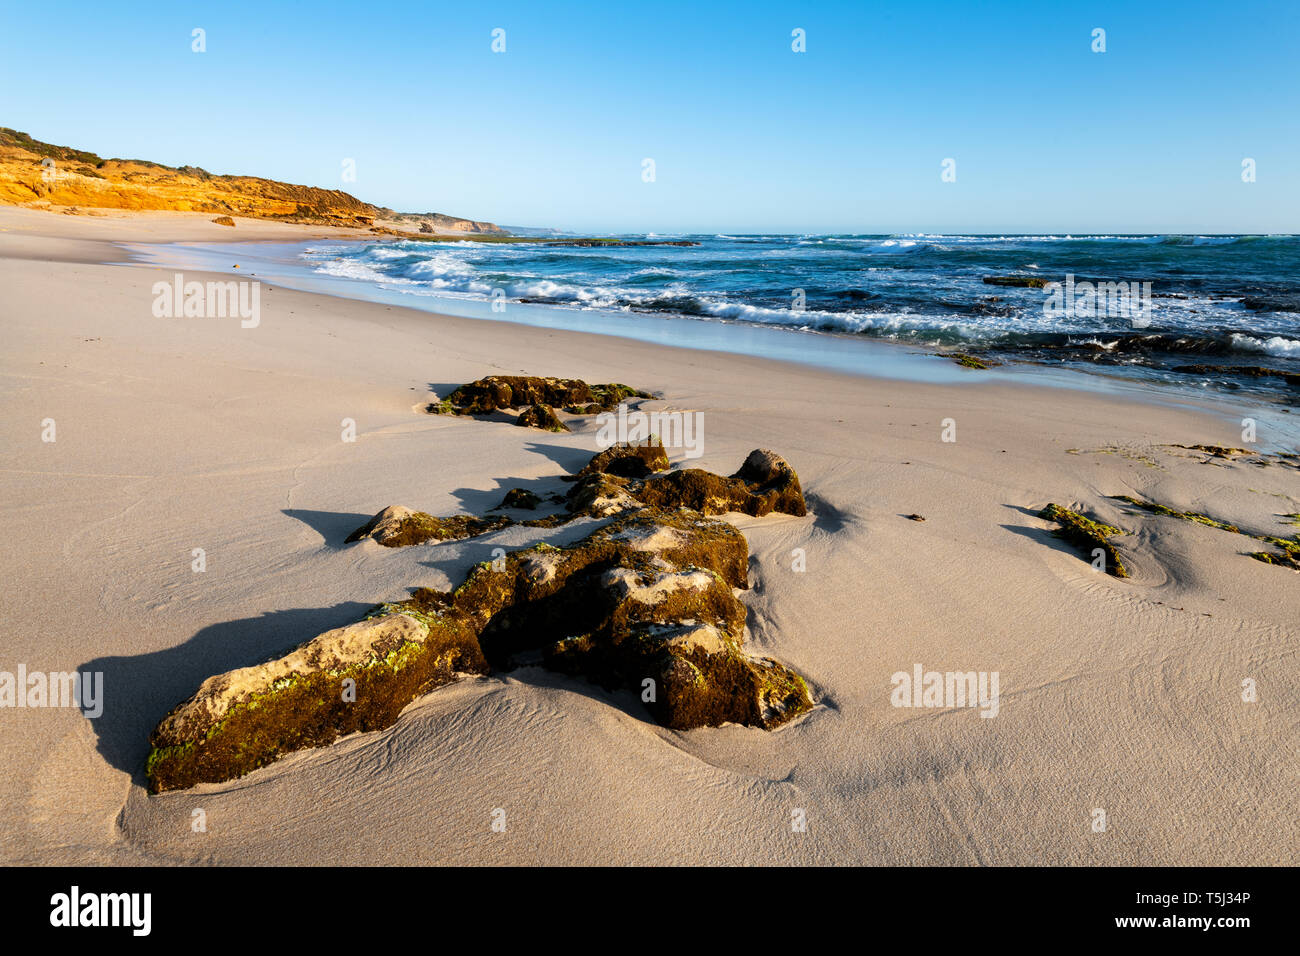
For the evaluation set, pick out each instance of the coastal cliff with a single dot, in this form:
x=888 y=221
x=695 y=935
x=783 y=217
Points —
x=42 y=175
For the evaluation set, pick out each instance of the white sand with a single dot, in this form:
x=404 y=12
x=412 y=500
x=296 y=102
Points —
x=175 y=434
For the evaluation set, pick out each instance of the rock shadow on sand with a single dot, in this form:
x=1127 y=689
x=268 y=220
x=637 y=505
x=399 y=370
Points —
x=140 y=688
x=333 y=526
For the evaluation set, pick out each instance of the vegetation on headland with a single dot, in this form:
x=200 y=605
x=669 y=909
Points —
x=43 y=175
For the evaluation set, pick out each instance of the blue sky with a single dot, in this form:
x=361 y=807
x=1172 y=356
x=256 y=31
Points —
x=746 y=135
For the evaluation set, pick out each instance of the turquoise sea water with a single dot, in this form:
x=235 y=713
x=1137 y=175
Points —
x=1228 y=302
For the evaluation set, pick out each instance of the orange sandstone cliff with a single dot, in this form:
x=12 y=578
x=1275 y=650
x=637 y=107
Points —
x=41 y=175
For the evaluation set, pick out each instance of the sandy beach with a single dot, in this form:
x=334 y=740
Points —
x=175 y=434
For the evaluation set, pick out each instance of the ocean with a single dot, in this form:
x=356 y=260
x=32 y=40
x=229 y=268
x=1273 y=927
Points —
x=1217 y=311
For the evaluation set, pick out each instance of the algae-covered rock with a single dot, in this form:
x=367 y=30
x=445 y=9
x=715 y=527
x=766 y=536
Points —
x=650 y=596
x=541 y=416
x=600 y=496
x=1024 y=282
x=519 y=498
x=350 y=679
x=495 y=392
x=764 y=483
x=771 y=477
x=1086 y=534
x=644 y=603
x=398 y=527
x=966 y=360
x=647 y=597
x=628 y=460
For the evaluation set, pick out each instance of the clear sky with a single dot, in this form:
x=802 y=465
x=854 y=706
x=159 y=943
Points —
x=746 y=135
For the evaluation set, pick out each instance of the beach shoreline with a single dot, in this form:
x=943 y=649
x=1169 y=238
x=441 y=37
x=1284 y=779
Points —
x=175 y=434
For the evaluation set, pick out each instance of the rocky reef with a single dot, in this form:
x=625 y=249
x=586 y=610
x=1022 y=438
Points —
x=1023 y=282
x=645 y=603
x=966 y=360
x=519 y=498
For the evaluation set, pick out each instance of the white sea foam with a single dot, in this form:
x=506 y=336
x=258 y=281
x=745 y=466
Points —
x=1275 y=345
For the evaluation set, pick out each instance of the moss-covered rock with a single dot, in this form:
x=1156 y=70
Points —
x=487 y=395
x=1086 y=534
x=629 y=460
x=599 y=495
x=519 y=498
x=650 y=596
x=350 y=679
x=398 y=527
x=1023 y=282
x=764 y=483
x=647 y=597
x=541 y=416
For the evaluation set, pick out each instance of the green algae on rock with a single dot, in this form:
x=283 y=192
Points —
x=541 y=416
x=487 y=395
x=645 y=603
x=398 y=527
x=764 y=483
x=1087 y=534
x=649 y=596
x=349 y=679
x=628 y=460
x=519 y=498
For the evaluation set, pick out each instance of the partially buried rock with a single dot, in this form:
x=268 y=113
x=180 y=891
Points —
x=541 y=416
x=645 y=601
x=397 y=527
x=519 y=498
x=487 y=395
x=628 y=460
x=350 y=679
x=764 y=483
